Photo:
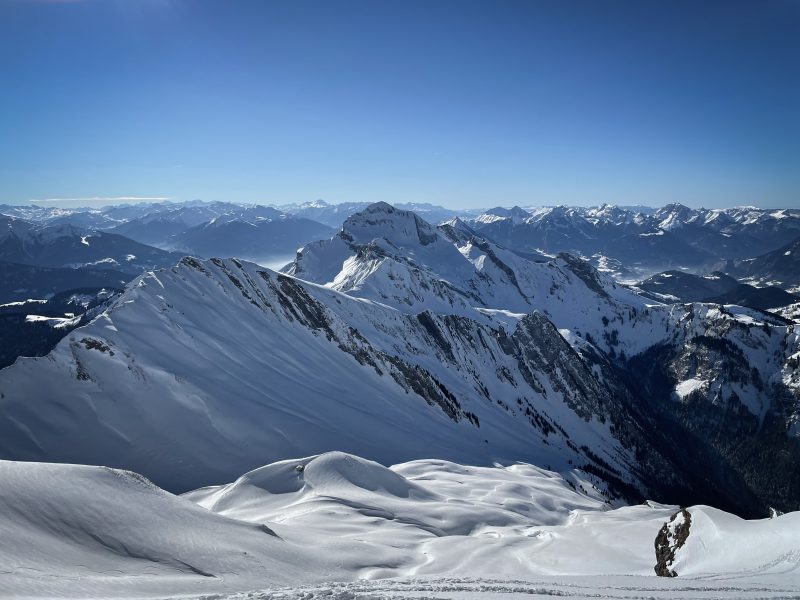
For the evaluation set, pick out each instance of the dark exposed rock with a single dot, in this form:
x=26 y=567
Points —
x=671 y=537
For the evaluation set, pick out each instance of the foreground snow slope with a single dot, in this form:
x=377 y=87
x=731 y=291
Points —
x=92 y=532
x=432 y=517
x=81 y=531
x=720 y=542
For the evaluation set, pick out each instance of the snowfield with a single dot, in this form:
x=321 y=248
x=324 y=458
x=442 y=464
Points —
x=339 y=526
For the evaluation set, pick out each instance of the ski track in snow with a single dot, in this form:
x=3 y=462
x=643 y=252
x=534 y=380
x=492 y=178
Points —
x=577 y=588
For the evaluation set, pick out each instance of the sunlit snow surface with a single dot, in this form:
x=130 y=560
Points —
x=341 y=527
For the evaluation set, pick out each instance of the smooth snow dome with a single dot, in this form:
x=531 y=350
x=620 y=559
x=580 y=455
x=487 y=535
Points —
x=92 y=532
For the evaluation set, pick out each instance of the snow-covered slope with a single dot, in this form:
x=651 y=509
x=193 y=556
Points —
x=324 y=522
x=81 y=531
x=720 y=543
x=260 y=366
x=779 y=267
x=432 y=517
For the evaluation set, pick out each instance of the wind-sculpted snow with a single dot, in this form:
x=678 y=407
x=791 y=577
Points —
x=431 y=517
x=81 y=531
x=745 y=547
x=337 y=525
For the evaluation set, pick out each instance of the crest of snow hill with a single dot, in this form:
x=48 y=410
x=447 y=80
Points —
x=398 y=340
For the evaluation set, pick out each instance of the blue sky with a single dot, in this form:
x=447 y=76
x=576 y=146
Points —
x=458 y=103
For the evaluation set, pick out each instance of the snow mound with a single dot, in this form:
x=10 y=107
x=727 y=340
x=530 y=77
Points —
x=332 y=474
x=108 y=532
x=434 y=517
x=720 y=543
x=335 y=472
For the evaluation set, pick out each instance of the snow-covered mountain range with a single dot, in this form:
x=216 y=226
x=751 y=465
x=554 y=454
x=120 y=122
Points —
x=398 y=340
x=630 y=242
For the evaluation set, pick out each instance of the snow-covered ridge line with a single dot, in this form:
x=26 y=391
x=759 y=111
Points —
x=419 y=381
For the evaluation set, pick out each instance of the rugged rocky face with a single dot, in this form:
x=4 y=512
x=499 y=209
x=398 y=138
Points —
x=730 y=419
x=395 y=340
x=671 y=538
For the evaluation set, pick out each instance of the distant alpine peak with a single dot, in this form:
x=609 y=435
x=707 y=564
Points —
x=456 y=230
x=606 y=210
x=318 y=203
x=515 y=212
x=382 y=220
x=673 y=207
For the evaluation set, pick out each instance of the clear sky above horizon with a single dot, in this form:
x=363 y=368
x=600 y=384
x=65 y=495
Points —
x=459 y=103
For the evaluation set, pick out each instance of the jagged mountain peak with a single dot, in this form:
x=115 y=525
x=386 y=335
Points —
x=318 y=203
x=456 y=230
x=673 y=208
x=560 y=214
